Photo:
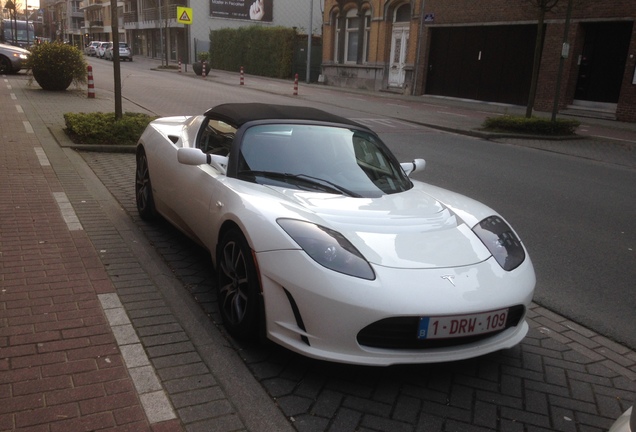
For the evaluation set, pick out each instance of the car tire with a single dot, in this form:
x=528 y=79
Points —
x=238 y=286
x=143 y=188
x=5 y=65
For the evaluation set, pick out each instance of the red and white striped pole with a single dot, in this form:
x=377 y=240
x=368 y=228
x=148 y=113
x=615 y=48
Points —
x=242 y=76
x=91 y=83
x=179 y=65
x=296 y=85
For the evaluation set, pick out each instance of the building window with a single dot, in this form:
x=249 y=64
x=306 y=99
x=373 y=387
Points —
x=402 y=13
x=351 y=36
x=354 y=41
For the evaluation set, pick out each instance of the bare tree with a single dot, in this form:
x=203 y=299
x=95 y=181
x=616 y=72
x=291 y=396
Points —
x=12 y=18
x=542 y=6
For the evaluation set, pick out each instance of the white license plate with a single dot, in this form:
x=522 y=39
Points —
x=462 y=325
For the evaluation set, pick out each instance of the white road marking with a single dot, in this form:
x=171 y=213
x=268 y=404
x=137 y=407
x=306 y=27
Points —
x=453 y=114
x=151 y=393
x=68 y=213
x=27 y=127
x=44 y=161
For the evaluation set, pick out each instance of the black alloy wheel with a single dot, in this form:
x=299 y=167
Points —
x=5 y=65
x=143 y=188
x=238 y=286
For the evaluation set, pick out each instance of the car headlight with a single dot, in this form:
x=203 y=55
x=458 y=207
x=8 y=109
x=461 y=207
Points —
x=502 y=243
x=328 y=248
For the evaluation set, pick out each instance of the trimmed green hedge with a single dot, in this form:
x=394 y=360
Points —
x=530 y=126
x=101 y=128
x=262 y=51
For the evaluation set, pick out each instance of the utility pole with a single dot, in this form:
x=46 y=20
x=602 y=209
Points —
x=26 y=18
x=116 y=67
x=418 y=60
x=565 y=52
x=543 y=6
x=310 y=34
x=161 y=34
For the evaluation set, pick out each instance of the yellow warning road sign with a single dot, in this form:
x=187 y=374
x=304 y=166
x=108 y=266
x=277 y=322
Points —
x=184 y=15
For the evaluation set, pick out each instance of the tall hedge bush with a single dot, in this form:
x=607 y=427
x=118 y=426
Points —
x=264 y=51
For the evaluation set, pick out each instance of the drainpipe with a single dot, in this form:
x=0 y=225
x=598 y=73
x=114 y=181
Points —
x=418 y=62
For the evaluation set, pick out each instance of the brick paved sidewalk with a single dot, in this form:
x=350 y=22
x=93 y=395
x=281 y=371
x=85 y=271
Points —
x=62 y=330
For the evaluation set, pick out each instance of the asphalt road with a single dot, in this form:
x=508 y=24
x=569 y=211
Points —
x=575 y=215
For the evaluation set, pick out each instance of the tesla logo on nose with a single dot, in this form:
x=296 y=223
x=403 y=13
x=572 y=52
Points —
x=449 y=278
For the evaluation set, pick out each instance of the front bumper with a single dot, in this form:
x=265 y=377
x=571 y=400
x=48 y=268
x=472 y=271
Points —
x=320 y=313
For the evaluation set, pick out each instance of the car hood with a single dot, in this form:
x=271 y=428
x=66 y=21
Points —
x=411 y=229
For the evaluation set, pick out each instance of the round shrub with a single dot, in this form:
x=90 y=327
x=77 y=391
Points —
x=56 y=65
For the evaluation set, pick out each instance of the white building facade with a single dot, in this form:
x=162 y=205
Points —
x=153 y=25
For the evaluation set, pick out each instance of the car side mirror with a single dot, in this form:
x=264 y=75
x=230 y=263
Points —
x=411 y=167
x=194 y=156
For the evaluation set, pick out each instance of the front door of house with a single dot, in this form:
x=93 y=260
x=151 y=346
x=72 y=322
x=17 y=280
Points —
x=399 y=44
x=602 y=62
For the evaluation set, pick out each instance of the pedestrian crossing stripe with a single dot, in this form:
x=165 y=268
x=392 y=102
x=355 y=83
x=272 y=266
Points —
x=184 y=15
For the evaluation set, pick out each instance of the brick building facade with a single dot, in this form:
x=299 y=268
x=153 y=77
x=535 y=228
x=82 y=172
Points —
x=483 y=50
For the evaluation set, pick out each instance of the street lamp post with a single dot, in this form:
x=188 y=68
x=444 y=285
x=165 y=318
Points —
x=161 y=34
x=565 y=51
x=310 y=34
x=26 y=18
x=114 y=17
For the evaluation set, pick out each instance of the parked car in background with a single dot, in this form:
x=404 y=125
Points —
x=12 y=58
x=91 y=48
x=108 y=52
x=101 y=49
x=124 y=52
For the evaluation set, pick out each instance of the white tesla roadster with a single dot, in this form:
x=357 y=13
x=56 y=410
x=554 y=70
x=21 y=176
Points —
x=322 y=242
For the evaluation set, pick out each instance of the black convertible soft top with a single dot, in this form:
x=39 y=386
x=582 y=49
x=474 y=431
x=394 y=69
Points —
x=237 y=114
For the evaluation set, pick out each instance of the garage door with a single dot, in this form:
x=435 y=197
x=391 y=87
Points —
x=489 y=63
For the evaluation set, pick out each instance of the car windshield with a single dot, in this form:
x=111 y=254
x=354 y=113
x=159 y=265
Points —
x=322 y=158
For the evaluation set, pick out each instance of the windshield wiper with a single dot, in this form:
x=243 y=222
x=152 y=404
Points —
x=318 y=180
x=323 y=184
